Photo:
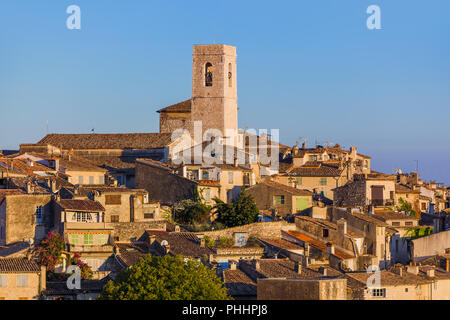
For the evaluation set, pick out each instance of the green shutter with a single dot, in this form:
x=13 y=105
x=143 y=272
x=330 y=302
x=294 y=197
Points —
x=302 y=204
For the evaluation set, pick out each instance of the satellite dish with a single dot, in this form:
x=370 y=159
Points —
x=164 y=243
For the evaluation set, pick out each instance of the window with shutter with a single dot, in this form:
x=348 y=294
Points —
x=113 y=199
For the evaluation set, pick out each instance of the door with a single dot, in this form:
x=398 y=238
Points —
x=377 y=195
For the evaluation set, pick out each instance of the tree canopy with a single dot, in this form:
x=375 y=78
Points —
x=165 y=278
x=241 y=211
x=406 y=207
x=191 y=210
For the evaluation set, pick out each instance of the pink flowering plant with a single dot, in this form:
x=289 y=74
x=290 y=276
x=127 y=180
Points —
x=86 y=271
x=50 y=250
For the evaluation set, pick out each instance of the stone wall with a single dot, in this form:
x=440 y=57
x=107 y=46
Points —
x=162 y=185
x=258 y=229
x=135 y=230
x=430 y=245
x=351 y=195
x=316 y=230
x=18 y=217
x=299 y=289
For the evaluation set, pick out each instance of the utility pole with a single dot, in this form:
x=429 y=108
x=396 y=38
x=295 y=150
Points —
x=417 y=167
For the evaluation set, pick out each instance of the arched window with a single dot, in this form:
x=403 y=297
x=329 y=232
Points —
x=230 y=75
x=208 y=75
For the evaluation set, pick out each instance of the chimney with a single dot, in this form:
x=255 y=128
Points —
x=53 y=185
x=342 y=226
x=167 y=249
x=307 y=249
x=430 y=273
x=304 y=145
x=201 y=237
x=29 y=187
x=298 y=267
x=256 y=265
x=412 y=269
x=56 y=164
x=233 y=265
x=43 y=278
x=29 y=256
x=330 y=247
x=30 y=162
x=76 y=189
x=323 y=271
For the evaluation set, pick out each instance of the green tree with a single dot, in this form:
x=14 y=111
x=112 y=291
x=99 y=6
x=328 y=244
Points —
x=406 y=207
x=165 y=278
x=240 y=212
x=192 y=210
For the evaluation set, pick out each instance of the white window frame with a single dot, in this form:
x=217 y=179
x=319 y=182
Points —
x=378 y=293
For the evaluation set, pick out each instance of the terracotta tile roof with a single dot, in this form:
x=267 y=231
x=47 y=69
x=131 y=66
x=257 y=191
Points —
x=130 y=253
x=186 y=244
x=400 y=188
x=238 y=283
x=375 y=175
x=23 y=167
x=8 y=192
x=80 y=205
x=13 y=265
x=283 y=187
x=315 y=169
x=284 y=166
x=182 y=107
x=319 y=245
x=283 y=244
x=390 y=278
x=391 y=215
x=281 y=268
x=108 y=141
x=370 y=218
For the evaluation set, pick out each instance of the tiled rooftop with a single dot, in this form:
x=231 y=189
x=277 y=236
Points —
x=13 y=265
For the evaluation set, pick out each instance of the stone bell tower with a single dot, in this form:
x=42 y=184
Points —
x=214 y=87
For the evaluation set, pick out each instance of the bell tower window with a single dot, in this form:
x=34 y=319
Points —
x=230 y=75
x=208 y=75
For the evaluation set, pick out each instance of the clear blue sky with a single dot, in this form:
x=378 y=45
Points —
x=310 y=68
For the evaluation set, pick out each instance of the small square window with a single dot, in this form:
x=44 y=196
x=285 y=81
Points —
x=3 y=280
x=88 y=239
x=379 y=293
x=149 y=215
x=22 y=280
x=230 y=178
x=114 y=218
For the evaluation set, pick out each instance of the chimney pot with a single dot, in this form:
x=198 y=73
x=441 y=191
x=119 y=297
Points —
x=330 y=247
x=298 y=267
